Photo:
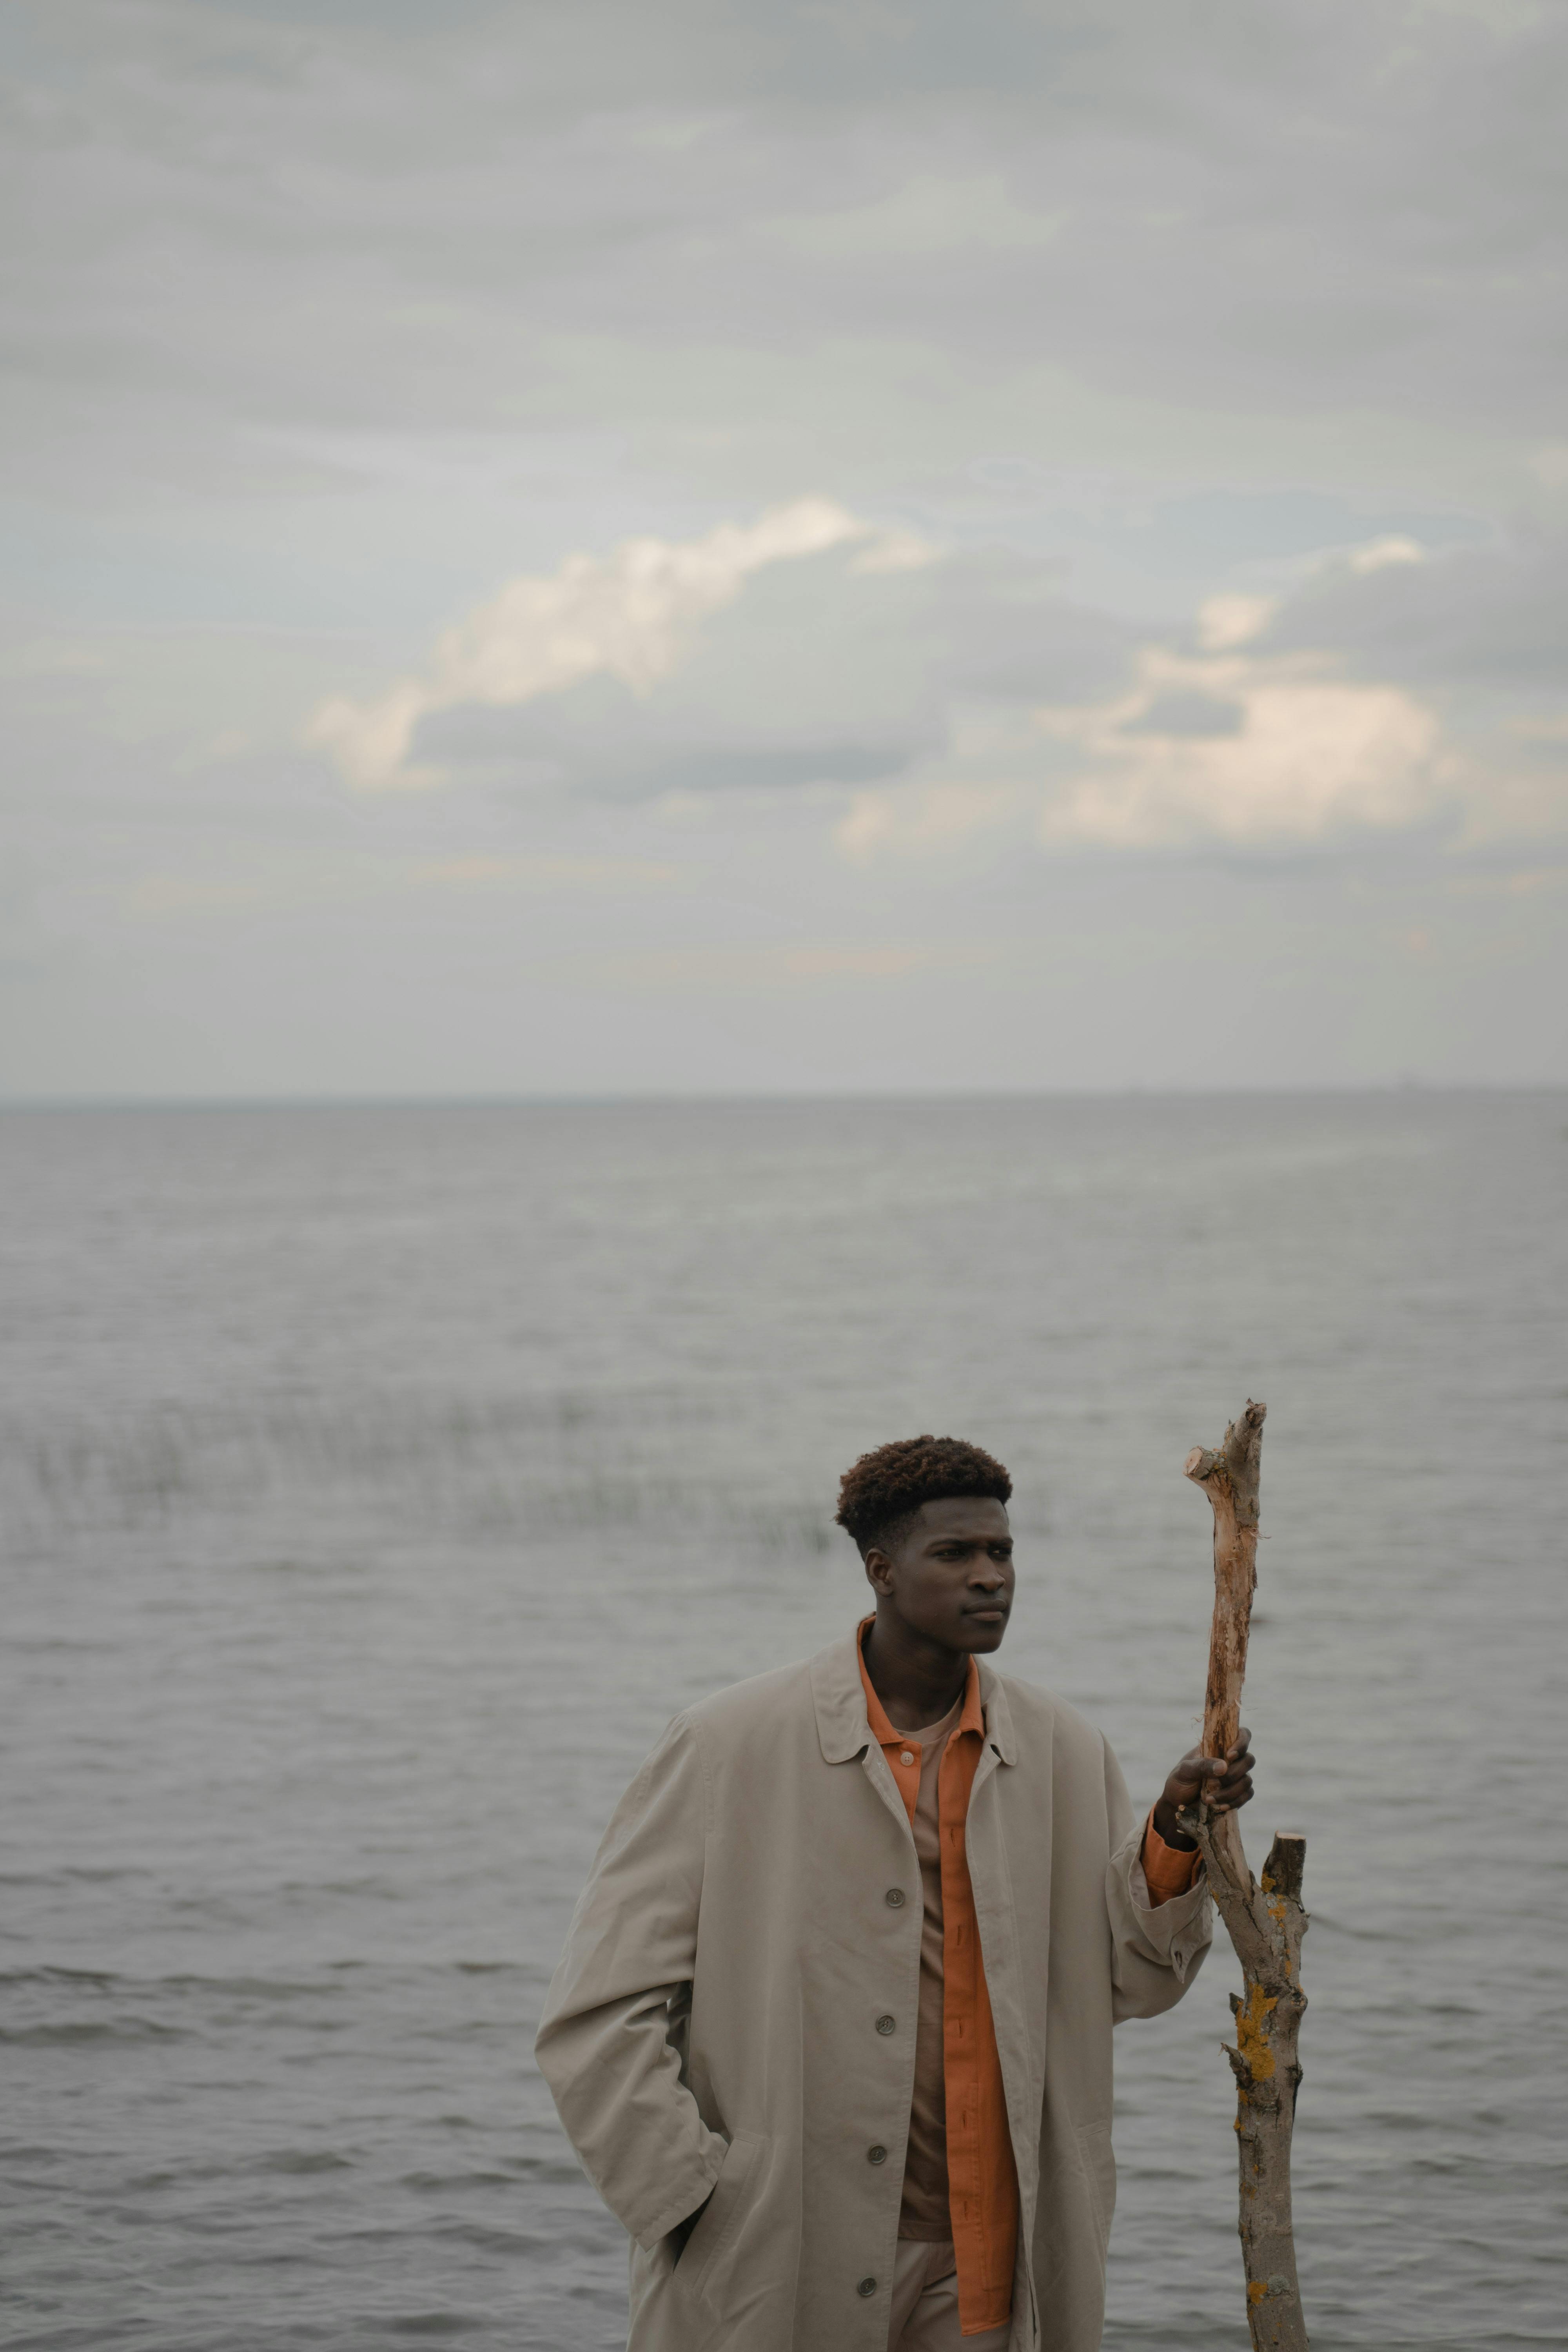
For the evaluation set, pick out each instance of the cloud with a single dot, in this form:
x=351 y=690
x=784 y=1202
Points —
x=1379 y=553
x=1226 y=621
x=1270 y=732
x=1293 y=753
x=930 y=821
x=943 y=707
x=1229 y=619
x=830 y=676
x=719 y=725
x=1491 y=617
x=627 y=615
x=1134 y=313
x=1238 y=748
x=239 y=221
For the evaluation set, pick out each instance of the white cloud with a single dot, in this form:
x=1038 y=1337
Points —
x=628 y=613
x=1227 y=621
x=1379 y=553
x=928 y=820
x=1295 y=753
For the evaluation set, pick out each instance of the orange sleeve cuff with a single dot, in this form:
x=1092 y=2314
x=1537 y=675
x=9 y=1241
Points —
x=1167 y=1871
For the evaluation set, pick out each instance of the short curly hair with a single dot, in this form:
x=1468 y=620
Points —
x=890 y=1484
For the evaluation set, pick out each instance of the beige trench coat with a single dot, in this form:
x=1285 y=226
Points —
x=736 y=2009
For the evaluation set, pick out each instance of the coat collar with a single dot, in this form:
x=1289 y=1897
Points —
x=842 y=1725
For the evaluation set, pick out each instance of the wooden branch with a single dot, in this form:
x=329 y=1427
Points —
x=1228 y=1477
x=1264 y=1921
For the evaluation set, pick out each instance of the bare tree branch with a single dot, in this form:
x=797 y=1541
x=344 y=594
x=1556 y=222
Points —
x=1264 y=1921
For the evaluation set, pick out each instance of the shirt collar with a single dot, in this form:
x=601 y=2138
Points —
x=882 y=1732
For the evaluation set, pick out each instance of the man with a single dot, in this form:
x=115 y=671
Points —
x=832 y=2029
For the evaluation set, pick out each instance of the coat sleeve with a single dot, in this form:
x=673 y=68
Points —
x=1155 y=1953
x=605 y=2044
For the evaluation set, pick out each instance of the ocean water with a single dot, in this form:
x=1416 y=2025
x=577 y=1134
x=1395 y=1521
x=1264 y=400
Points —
x=378 y=1481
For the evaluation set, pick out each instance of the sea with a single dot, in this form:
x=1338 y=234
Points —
x=378 y=1481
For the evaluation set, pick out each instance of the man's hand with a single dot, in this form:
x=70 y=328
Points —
x=1232 y=1773
x=682 y=2230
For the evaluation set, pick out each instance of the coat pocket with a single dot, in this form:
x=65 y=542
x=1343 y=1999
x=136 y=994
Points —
x=701 y=2266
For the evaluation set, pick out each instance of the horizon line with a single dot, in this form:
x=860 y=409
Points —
x=676 y=1098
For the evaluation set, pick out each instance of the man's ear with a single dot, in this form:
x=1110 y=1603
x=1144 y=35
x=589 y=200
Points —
x=878 y=1569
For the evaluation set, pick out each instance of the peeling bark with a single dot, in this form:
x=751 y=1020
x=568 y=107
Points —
x=1264 y=1921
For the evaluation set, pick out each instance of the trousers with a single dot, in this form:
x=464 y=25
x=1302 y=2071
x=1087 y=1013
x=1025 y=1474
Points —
x=925 y=2304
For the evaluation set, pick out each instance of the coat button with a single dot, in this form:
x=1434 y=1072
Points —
x=894 y=1899
x=867 y=2286
x=876 y=2155
x=886 y=2024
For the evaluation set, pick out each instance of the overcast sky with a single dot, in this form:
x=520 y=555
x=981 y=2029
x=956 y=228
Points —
x=650 y=546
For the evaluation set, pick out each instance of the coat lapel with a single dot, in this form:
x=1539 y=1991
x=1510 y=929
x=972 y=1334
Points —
x=1015 y=1994
x=842 y=1732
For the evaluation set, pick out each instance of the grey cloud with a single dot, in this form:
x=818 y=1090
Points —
x=986 y=622
x=1193 y=715
x=1494 y=616
x=535 y=757
x=715 y=769
x=365 y=215
x=603 y=741
x=1002 y=627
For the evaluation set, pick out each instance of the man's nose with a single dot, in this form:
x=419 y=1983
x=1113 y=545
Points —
x=990 y=1575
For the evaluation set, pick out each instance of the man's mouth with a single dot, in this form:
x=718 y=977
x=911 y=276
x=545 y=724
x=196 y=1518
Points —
x=988 y=1609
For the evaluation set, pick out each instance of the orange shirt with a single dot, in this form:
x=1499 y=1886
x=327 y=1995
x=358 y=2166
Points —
x=982 y=2186
x=1167 y=1871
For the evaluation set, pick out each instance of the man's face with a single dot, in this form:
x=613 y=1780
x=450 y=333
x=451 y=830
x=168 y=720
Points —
x=950 y=1576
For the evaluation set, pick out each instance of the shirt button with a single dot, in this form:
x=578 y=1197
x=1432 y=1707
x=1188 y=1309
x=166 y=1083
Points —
x=894 y=1899
x=867 y=2286
x=886 y=2024
x=908 y=1757
x=876 y=2155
